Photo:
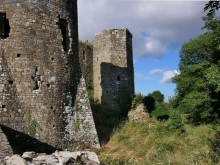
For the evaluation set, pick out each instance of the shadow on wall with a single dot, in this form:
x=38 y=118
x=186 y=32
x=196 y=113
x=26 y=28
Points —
x=21 y=142
x=113 y=79
x=117 y=90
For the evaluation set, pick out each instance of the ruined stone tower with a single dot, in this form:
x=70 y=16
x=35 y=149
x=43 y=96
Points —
x=112 y=65
x=42 y=92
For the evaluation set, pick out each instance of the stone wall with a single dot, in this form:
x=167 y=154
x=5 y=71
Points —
x=112 y=65
x=40 y=76
x=5 y=148
x=86 y=63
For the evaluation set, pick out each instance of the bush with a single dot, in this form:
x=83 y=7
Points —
x=138 y=99
x=149 y=102
x=175 y=121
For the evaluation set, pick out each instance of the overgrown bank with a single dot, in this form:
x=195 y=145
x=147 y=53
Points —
x=153 y=142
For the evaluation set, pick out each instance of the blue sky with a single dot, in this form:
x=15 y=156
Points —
x=159 y=30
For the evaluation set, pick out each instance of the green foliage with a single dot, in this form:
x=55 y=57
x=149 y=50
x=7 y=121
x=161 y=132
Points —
x=215 y=145
x=31 y=124
x=157 y=95
x=32 y=128
x=76 y=123
x=149 y=102
x=160 y=114
x=162 y=106
x=198 y=85
x=173 y=102
x=89 y=87
x=212 y=6
x=106 y=120
x=175 y=122
x=138 y=99
x=152 y=142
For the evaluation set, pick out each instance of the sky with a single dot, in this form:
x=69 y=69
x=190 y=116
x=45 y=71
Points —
x=159 y=30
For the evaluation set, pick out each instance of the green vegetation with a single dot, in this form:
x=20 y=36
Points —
x=198 y=85
x=138 y=99
x=157 y=95
x=159 y=113
x=212 y=6
x=76 y=123
x=191 y=132
x=153 y=142
x=31 y=124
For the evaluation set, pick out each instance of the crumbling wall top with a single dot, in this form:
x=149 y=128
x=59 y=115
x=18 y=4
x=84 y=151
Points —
x=61 y=6
x=110 y=30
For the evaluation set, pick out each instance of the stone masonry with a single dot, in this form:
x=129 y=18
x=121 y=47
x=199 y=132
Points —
x=42 y=91
x=112 y=65
x=86 y=63
x=5 y=148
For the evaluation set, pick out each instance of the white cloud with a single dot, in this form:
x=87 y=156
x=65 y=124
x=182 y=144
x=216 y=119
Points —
x=141 y=76
x=154 y=48
x=168 y=75
x=168 y=23
x=156 y=71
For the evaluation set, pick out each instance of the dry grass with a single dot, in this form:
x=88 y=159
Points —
x=138 y=144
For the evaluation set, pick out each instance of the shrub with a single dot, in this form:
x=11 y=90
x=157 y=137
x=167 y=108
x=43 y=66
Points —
x=149 y=102
x=138 y=99
x=175 y=121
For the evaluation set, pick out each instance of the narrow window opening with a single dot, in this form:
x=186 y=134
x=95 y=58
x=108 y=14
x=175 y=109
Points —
x=37 y=80
x=97 y=59
x=48 y=85
x=83 y=55
x=106 y=91
x=119 y=79
x=10 y=81
x=64 y=32
x=119 y=58
x=52 y=59
x=3 y=106
x=53 y=125
x=4 y=26
x=18 y=55
x=51 y=107
x=117 y=35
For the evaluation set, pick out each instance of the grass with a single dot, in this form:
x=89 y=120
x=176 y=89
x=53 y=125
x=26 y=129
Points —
x=167 y=141
x=106 y=120
x=151 y=142
x=160 y=114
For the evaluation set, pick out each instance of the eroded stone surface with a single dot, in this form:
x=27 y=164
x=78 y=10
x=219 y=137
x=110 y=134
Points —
x=42 y=91
x=112 y=65
x=57 y=158
x=5 y=148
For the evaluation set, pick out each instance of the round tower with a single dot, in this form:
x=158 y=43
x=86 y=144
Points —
x=39 y=69
x=112 y=65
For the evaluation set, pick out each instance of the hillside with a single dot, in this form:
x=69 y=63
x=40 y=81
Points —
x=160 y=142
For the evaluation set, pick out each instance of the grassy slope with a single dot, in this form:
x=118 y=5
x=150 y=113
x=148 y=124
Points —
x=150 y=142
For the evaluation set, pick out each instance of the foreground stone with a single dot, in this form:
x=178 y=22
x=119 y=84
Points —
x=57 y=158
x=139 y=114
x=5 y=148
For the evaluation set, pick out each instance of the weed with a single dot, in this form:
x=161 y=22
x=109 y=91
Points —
x=136 y=144
x=31 y=124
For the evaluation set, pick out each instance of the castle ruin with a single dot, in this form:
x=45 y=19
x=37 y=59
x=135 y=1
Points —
x=43 y=92
x=108 y=62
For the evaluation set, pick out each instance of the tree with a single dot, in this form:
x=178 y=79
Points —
x=157 y=95
x=149 y=102
x=138 y=99
x=212 y=6
x=198 y=84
